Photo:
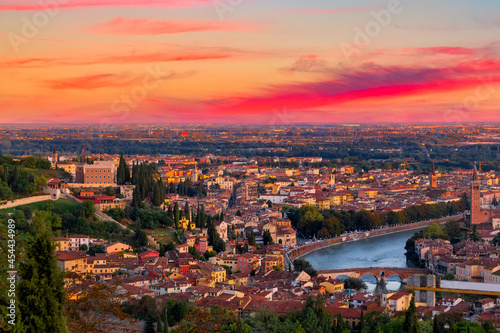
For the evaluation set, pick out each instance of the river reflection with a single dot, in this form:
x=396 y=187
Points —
x=382 y=251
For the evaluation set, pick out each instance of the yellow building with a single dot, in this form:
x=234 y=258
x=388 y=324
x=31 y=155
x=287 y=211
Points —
x=74 y=262
x=367 y=193
x=105 y=269
x=216 y=272
x=398 y=301
x=323 y=203
x=117 y=247
x=333 y=286
x=336 y=200
x=61 y=243
x=185 y=224
x=227 y=260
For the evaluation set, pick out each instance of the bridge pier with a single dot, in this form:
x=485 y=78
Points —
x=381 y=281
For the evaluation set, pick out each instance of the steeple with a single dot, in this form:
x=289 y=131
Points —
x=433 y=177
x=475 y=202
x=54 y=158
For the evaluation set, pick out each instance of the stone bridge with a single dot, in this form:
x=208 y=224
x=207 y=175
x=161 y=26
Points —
x=380 y=273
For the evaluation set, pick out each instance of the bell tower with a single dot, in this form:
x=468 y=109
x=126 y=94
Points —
x=54 y=158
x=434 y=178
x=475 y=202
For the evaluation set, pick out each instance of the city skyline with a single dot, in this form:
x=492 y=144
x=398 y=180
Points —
x=221 y=61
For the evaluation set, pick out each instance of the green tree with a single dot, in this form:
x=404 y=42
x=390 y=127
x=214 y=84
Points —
x=466 y=201
x=268 y=238
x=87 y=209
x=436 y=328
x=41 y=286
x=141 y=238
x=149 y=323
x=303 y=265
x=109 y=191
x=251 y=238
x=120 y=172
x=410 y=324
x=355 y=283
x=165 y=321
x=157 y=201
x=177 y=215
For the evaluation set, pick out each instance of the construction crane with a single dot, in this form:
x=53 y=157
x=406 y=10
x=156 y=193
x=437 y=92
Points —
x=410 y=163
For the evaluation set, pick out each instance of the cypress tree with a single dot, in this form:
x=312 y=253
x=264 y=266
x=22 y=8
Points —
x=41 y=286
x=149 y=323
x=186 y=210
x=410 y=324
x=170 y=212
x=435 y=325
x=157 y=196
x=165 y=321
x=120 y=172
x=176 y=215
x=136 y=198
x=127 y=172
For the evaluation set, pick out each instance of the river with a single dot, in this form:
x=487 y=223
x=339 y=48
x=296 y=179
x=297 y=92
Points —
x=381 y=251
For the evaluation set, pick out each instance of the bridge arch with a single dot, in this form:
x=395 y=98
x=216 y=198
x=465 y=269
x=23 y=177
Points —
x=380 y=273
x=365 y=275
x=399 y=276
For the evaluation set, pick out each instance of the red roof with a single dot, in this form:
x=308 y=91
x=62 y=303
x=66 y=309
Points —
x=149 y=253
x=398 y=295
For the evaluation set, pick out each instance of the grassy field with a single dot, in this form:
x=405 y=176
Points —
x=164 y=235
x=60 y=206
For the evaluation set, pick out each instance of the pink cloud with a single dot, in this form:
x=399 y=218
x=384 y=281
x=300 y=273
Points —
x=442 y=50
x=24 y=5
x=369 y=83
x=124 y=26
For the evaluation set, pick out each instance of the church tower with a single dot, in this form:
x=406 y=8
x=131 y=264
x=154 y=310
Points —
x=434 y=178
x=195 y=175
x=54 y=158
x=475 y=202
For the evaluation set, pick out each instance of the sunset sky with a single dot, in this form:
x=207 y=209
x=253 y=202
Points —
x=251 y=61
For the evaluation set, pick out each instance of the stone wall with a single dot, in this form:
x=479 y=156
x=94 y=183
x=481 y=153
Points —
x=24 y=201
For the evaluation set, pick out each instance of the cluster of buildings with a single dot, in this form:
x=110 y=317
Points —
x=465 y=261
x=246 y=282
x=250 y=196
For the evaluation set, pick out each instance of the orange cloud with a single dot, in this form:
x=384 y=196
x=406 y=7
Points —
x=124 y=26
x=88 y=82
x=172 y=56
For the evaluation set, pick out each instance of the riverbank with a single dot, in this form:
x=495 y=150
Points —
x=319 y=245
